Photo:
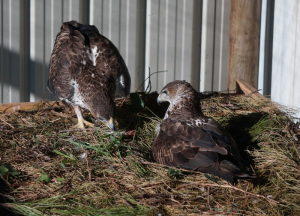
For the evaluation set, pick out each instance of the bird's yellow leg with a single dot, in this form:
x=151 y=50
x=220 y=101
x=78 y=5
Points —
x=88 y=123
x=79 y=125
x=81 y=121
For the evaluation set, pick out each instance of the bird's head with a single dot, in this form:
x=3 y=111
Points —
x=108 y=122
x=104 y=112
x=179 y=94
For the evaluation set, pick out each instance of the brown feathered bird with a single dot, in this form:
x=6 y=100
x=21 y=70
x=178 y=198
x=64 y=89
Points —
x=87 y=70
x=188 y=139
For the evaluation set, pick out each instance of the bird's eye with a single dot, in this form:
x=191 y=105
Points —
x=165 y=92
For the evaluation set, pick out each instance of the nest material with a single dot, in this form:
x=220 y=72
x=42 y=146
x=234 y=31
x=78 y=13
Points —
x=51 y=169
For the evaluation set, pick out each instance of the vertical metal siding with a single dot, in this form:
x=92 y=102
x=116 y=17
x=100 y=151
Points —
x=169 y=41
x=46 y=18
x=266 y=47
x=160 y=34
x=24 y=50
x=10 y=64
x=118 y=21
x=221 y=47
x=215 y=43
x=37 y=52
x=286 y=54
x=1 y=51
x=262 y=45
x=53 y=20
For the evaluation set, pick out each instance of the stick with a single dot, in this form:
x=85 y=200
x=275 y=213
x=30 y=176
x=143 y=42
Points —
x=90 y=129
x=207 y=195
x=87 y=163
x=150 y=76
x=5 y=122
x=158 y=183
x=231 y=187
x=161 y=165
x=40 y=110
x=147 y=196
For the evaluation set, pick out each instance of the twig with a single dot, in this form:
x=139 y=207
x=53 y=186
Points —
x=207 y=195
x=257 y=91
x=149 y=83
x=5 y=122
x=147 y=196
x=86 y=129
x=60 y=114
x=53 y=103
x=40 y=110
x=91 y=129
x=165 y=166
x=87 y=163
x=291 y=131
x=173 y=200
x=68 y=183
x=158 y=183
x=125 y=202
x=7 y=109
x=231 y=187
x=150 y=76
x=153 y=201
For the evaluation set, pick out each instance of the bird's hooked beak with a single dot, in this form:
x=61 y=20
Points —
x=161 y=98
x=109 y=123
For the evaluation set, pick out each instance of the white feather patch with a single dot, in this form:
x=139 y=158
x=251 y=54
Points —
x=122 y=81
x=93 y=55
x=77 y=98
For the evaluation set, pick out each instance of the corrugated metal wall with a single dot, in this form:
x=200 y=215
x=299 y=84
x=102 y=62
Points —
x=279 y=72
x=160 y=34
x=190 y=40
x=286 y=54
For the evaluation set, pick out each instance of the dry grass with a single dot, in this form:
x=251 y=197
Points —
x=51 y=169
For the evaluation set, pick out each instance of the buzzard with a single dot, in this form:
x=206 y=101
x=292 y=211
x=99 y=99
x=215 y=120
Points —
x=87 y=71
x=188 y=139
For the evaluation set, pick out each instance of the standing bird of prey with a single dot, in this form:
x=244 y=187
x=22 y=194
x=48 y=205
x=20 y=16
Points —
x=188 y=139
x=87 y=70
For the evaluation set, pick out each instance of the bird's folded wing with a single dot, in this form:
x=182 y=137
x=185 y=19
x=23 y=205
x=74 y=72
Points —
x=173 y=151
x=206 y=140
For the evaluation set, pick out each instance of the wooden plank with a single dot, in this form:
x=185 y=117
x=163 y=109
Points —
x=243 y=42
x=12 y=107
x=248 y=89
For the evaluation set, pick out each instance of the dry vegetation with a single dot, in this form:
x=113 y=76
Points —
x=48 y=168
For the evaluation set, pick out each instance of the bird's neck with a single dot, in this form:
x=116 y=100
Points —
x=186 y=106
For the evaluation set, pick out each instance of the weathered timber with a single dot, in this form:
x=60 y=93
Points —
x=243 y=42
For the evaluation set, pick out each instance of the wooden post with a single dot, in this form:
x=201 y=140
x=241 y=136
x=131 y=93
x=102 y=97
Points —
x=243 y=42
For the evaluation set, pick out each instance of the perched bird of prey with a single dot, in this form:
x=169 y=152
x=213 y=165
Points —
x=87 y=71
x=188 y=139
